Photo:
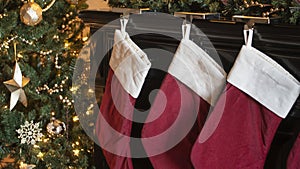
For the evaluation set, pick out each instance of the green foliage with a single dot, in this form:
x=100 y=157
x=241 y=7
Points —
x=295 y=13
x=295 y=18
x=39 y=47
x=169 y=6
x=226 y=7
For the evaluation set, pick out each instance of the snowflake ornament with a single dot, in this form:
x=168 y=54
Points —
x=29 y=133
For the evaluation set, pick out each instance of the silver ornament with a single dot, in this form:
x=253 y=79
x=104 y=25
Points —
x=56 y=127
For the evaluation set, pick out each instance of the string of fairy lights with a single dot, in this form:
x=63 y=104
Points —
x=59 y=88
x=271 y=11
x=253 y=3
x=66 y=26
x=3 y=15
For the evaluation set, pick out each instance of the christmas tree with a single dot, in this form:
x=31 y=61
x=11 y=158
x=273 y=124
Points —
x=39 y=43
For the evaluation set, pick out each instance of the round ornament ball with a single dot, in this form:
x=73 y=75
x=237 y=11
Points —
x=72 y=2
x=31 y=14
x=56 y=127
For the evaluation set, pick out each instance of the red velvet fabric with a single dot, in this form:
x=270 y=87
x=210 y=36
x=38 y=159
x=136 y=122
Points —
x=293 y=161
x=177 y=97
x=237 y=134
x=111 y=113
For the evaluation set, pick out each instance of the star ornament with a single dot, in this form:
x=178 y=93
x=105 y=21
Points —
x=15 y=86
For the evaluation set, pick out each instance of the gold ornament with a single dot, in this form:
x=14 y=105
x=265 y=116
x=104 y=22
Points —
x=31 y=13
x=72 y=2
x=15 y=86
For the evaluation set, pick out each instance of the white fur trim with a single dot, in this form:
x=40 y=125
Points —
x=196 y=69
x=129 y=63
x=265 y=80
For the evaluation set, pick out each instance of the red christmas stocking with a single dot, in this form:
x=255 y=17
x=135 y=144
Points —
x=239 y=131
x=293 y=161
x=193 y=83
x=129 y=66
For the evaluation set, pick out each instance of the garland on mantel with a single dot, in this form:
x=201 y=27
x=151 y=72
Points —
x=288 y=10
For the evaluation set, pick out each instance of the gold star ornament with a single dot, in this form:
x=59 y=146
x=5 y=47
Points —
x=15 y=86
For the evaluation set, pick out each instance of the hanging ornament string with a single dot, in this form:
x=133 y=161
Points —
x=49 y=6
x=15 y=51
x=67 y=121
